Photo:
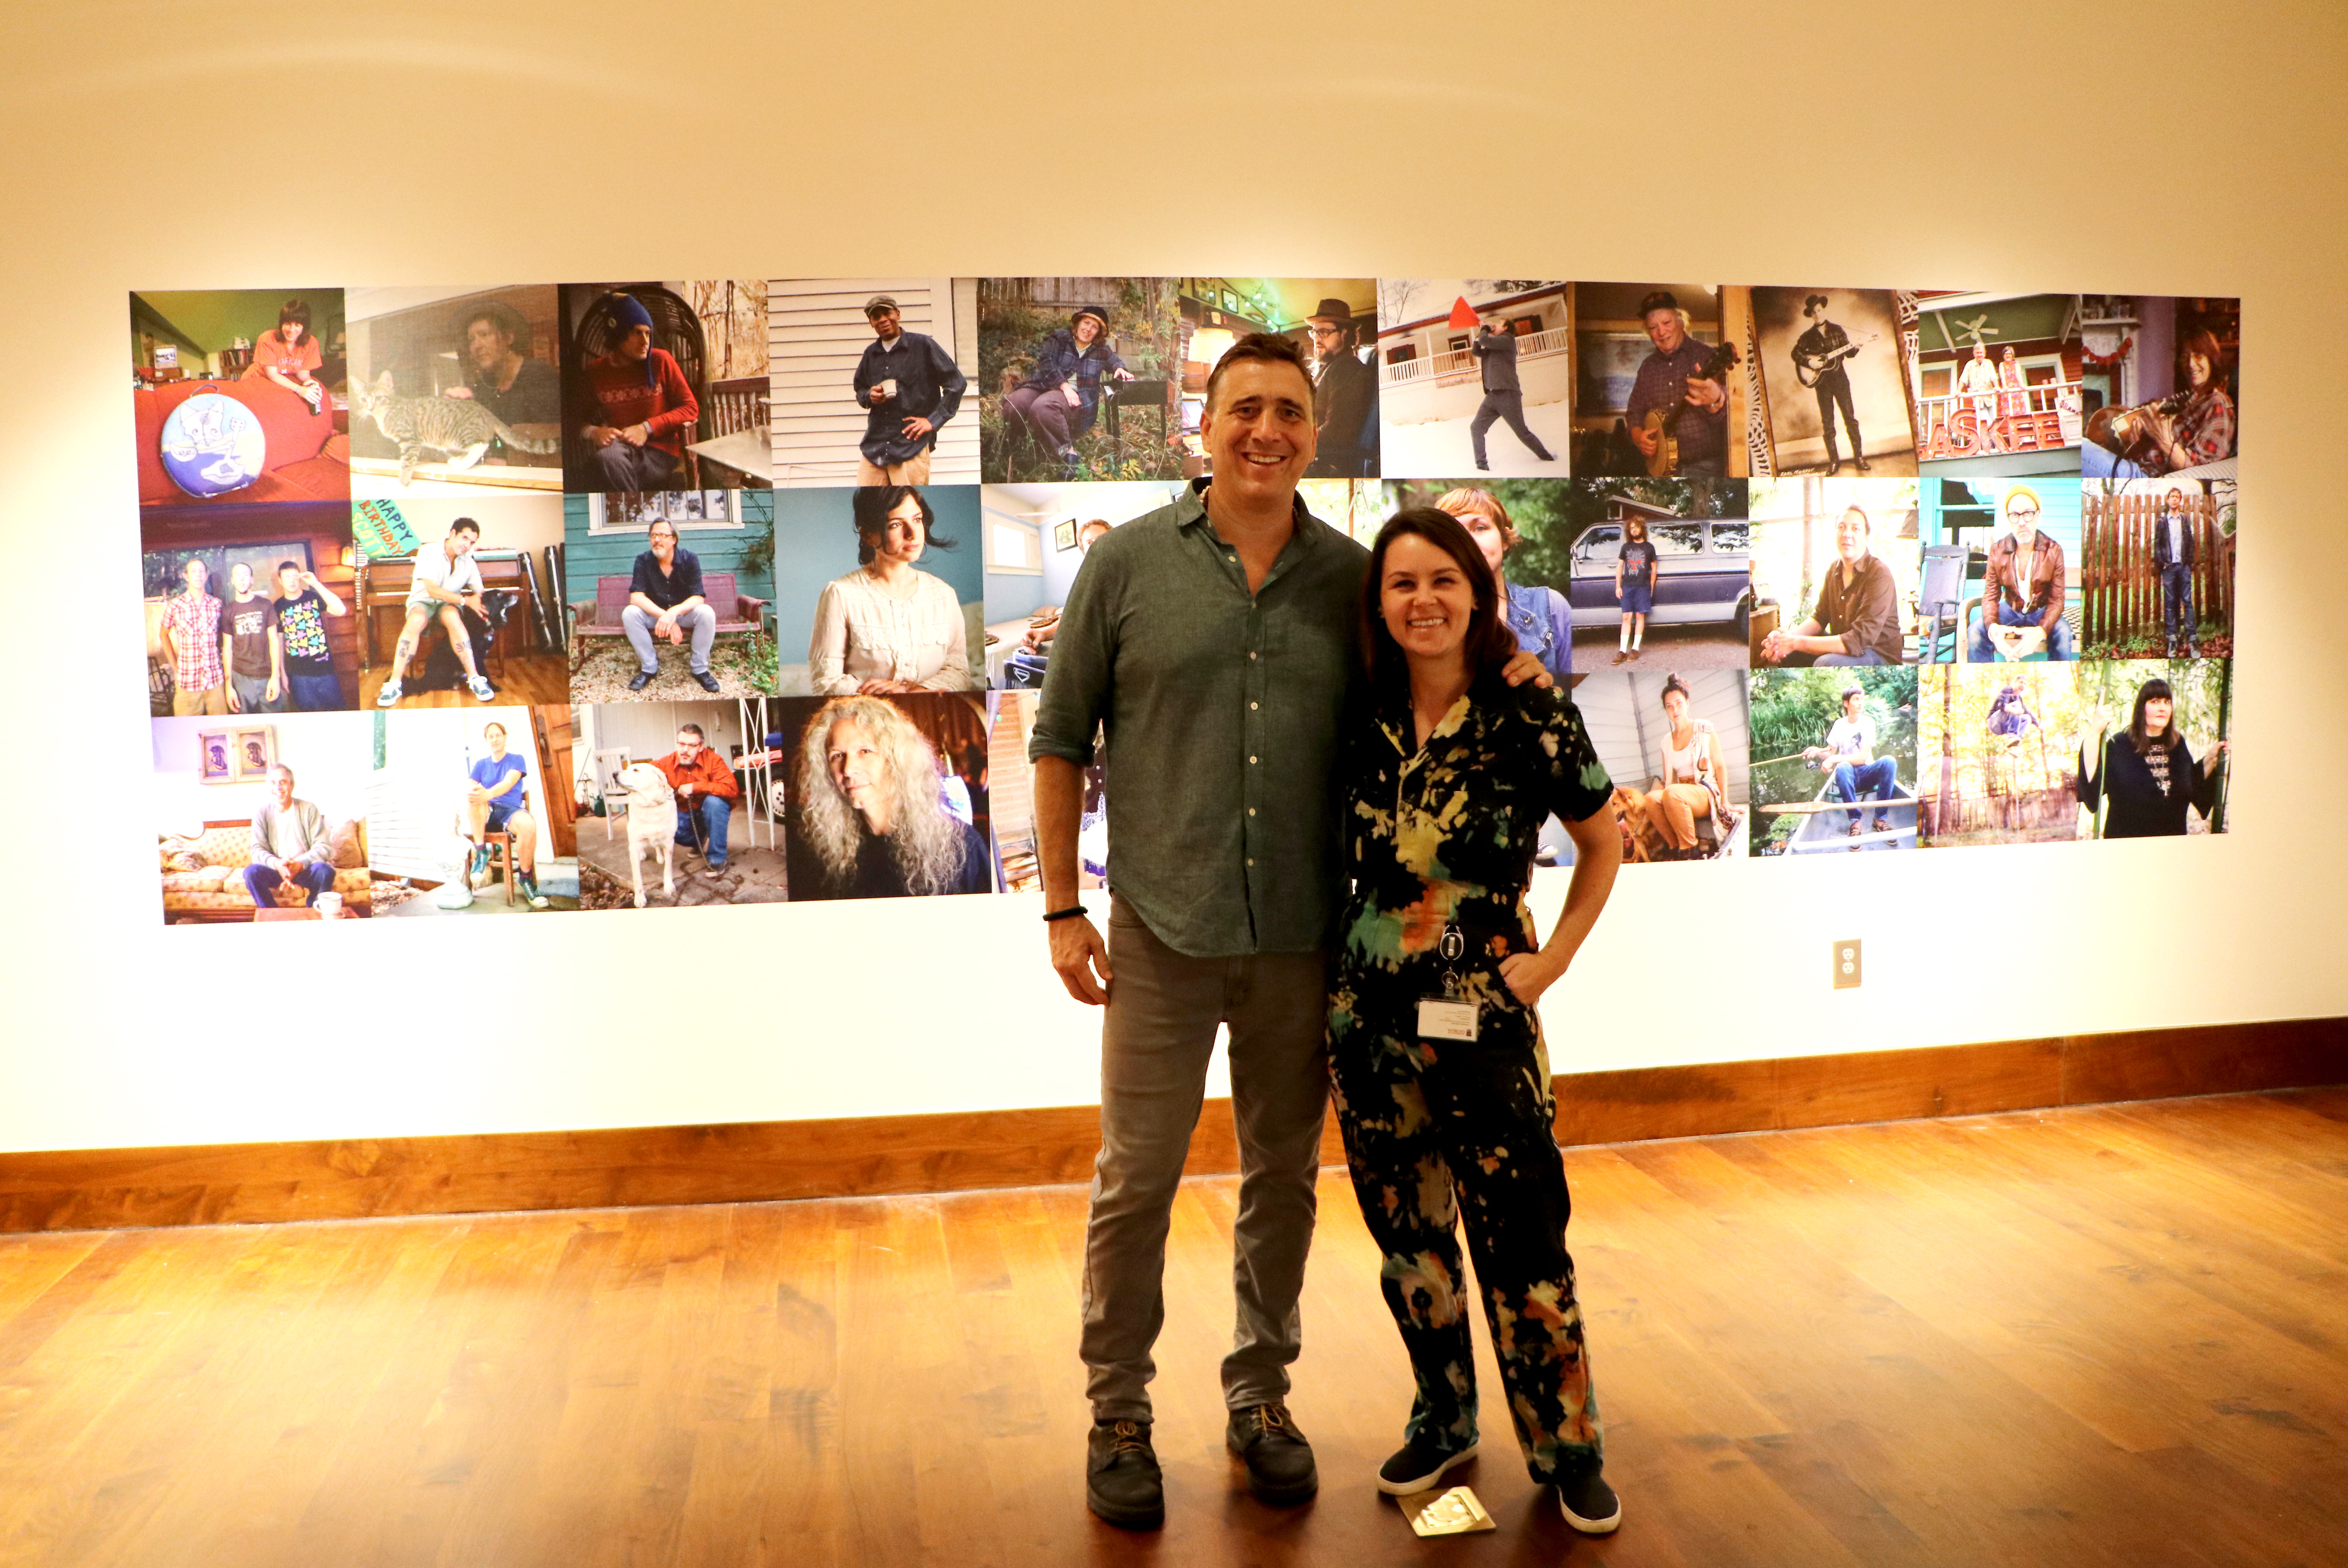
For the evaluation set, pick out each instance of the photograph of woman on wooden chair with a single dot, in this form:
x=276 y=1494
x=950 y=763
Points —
x=1677 y=746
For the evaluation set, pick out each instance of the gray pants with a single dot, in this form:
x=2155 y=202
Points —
x=251 y=692
x=701 y=621
x=1163 y=1010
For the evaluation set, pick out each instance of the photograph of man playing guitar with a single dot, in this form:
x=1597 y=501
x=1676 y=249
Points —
x=1679 y=399
x=1818 y=356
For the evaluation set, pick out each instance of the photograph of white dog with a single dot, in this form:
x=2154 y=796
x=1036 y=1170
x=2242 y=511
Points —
x=469 y=812
x=692 y=808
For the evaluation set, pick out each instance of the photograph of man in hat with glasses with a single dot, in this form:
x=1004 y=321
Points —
x=908 y=386
x=1345 y=397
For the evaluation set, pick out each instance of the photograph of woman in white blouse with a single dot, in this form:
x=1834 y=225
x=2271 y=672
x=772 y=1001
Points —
x=888 y=626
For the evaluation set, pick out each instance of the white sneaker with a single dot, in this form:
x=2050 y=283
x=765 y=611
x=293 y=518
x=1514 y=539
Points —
x=389 y=695
x=481 y=688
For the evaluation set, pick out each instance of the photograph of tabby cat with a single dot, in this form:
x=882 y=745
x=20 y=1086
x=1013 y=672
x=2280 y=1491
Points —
x=454 y=389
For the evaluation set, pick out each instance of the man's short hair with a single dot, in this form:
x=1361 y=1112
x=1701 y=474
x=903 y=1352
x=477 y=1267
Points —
x=1855 y=507
x=195 y=561
x=508 y=321
x=1850 y=692
x=278 y=767
x=284 y=566
x=691 y=730
x=660 y=522
x=1269 y=346
x=493 y=724
x=466 y=525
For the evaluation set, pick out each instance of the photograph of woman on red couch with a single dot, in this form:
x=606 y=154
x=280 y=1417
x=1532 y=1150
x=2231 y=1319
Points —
x=239 y=394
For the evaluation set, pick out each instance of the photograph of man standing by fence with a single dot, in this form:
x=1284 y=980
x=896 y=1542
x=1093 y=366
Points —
x=1996 y=751
x=2157 y=564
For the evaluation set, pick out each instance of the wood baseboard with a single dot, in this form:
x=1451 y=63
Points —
x=872 y=1156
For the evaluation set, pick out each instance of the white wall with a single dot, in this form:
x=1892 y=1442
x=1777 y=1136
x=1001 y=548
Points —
x=911 y=1005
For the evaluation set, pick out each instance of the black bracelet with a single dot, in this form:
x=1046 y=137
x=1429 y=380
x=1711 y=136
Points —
x=1071 y=913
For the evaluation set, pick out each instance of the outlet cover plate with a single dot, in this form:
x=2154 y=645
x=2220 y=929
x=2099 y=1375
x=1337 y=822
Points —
x=1846 y=963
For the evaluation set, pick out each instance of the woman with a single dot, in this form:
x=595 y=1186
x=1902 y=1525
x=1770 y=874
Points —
x=872 y=817
x=288 y=354
x=1061 y=396
x=1539 y=617
x=887 y=626
x=2013 y=396
x=1449 y=775
x=2148 y=772
x=1688 y=788
x=1634 y=586
x=2202 y=430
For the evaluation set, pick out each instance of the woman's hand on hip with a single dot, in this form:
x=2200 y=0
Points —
x=1528 y=975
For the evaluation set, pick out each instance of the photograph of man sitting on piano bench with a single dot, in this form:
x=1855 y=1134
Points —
x=478 y=612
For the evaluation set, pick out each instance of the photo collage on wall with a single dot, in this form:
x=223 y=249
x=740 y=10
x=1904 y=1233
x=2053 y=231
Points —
x=523 y=598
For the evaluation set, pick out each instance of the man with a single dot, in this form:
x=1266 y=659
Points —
x=665 y=600
x=1849 y=757
x=1036 y=644
x=632 y=406
x=290 y=844
x=1978 y=380
x=1495 y=349
x=909 y=387
x=191 y=640
x=1345 y=396
x=445 y=581
x=499 y=802
x=2174 y=555
x=1857 y=621
x=1672 y=377
x=1213 y=640
x=1822 y=350
x=500 y=375
x=302 y=605
x=706 y=791
x=2022 y=589
x=251 y=647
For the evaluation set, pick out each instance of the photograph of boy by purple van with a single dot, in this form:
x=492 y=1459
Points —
x=871 y=380
x=888 y=795
x=690 y=797
x=665 y=385
x=1078 y=378
x=240 y=393
x=2163 y=386
x=1838 y=769
x=2157 y=568
x=1677 y=746
x=453 y=390
x=1036 y=538
x=1474 y=373
x=468 y=616
x=1834 y=571
x=271 y=628
x=262 y=820
x=1654 y=571
x=1831 y=365
x=2153 y=747
x=1997 y=753
x=1657 y=390
x=1998 y=383
x=472 y=813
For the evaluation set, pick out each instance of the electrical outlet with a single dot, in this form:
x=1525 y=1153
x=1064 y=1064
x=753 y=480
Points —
x=1846 y=963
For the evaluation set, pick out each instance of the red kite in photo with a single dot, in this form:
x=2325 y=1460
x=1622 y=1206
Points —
x=1462 y=318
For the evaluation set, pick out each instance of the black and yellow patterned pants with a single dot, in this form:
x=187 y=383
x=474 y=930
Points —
x=1438 y=1130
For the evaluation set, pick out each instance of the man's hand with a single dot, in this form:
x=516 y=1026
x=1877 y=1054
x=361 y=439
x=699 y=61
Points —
x=473 y=602
x=601 y=436
x=463 y=392
x=235 y=703
x=478 y=794
x=269 y=692
x=1528 y=975
x=309 y=579
x=1644 y=440
x=1709 y=396
x=636 y=434
x=671 y=629
x=915 y=427
x=1078 y=952
x=685 y=791
x=876 y=396
x=1523 y=667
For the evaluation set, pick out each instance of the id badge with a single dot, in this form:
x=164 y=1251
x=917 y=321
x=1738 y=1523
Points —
x=1446 y=1018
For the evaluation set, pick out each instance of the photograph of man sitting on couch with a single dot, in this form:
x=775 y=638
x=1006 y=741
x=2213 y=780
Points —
x=263 y=818
x=239 y=394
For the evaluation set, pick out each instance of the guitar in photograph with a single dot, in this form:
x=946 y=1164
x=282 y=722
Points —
x=1809 y=367
x=1660 y=423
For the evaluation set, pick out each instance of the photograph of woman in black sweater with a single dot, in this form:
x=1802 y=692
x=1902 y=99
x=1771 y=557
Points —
x=2147 y=773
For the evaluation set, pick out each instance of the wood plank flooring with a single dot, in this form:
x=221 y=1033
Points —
x=2112 y=1335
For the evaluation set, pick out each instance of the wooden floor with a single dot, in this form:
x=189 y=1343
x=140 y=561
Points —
x=535 y=680
x=2113 y=1335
